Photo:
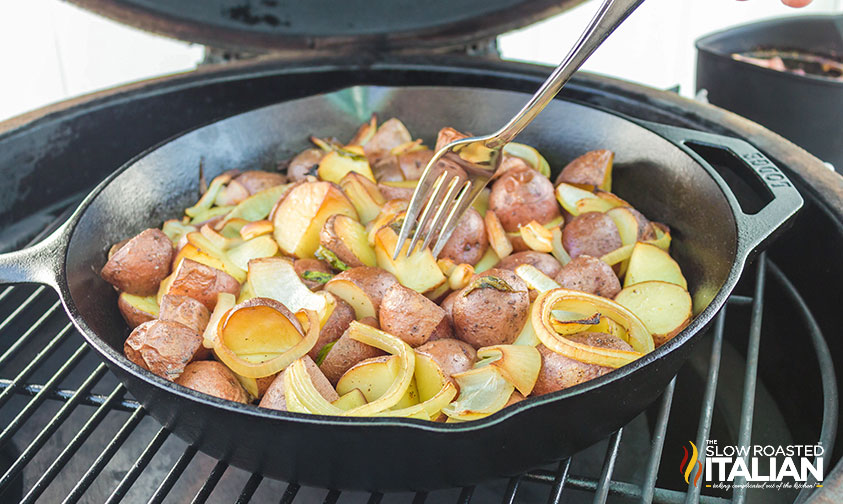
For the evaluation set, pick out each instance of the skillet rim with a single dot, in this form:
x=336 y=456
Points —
x=695 y=328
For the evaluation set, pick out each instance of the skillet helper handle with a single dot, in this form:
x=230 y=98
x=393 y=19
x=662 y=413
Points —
x=41 y=263
x=754 y=229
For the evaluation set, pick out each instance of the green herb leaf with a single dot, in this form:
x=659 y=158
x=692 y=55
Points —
x=317 y=276
x=323 y=352
x=323 y=254
x=488 y=282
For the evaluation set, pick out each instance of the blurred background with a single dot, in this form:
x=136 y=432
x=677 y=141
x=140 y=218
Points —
x=52 y=50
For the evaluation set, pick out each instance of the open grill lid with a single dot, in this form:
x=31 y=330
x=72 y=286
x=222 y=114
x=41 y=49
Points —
x=329 y=25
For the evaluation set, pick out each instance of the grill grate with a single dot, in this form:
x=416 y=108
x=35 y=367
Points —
x=49 y=377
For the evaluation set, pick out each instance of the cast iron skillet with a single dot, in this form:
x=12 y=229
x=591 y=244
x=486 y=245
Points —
x=660 y=170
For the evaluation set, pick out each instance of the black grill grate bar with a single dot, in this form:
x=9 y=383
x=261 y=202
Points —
x=249 y=489
x=736 y=299
x=33 y=389
x=28 y=301
x=332 y=497
x=751 y=374
x=36 y=401
x=602 y=492
x=73 y=446
x=24 y=338
x=8 y=290
x=657 y=444
x=291 y=492
x=140 y=464
x=559 y=480
x=208 y=487
x=45 y=352
x=465 y=495
x=54 y=423
x=704 y=426
x=103 y=458
x=172 y=476
x=511 y=489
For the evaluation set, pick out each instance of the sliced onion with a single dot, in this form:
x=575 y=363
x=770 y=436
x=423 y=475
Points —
x=559 y=251
x=575 y=301
x=271 y=365
x=535 y=279
x=225 y=302
x=483 y=391
x=407 y=362
x=301 y=395
x=618 y=255
x=207 y=199
x=275 y=278
x=262 y=246
x=566 y=323
x=427 y=410
x=530 y=155
x=518 y=364
x=528 y=334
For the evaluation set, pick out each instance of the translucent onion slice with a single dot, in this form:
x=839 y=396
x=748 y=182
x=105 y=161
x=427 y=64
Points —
x=225 y=302
x=262 y=246
x=390 y=344
x=275 y=278
x=271 y=365
x=558 y=251
x=518 y=364
x=483 y=391
x=257 y=206
x=301 y=395
x=528 y=334
x=566 y=323
x=530 y=155
x=535 y=279
x=575 y=301
x=618 y=255
x=207 y=199
x=427 y=410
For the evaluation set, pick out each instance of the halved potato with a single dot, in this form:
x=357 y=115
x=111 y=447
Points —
x=347 y=239
x=592 y=170
x=350 y=400
x=664 y=307
x=258 y=329
x=201 y=282
x=373 y=377
x=141 y=264
x=137 y=309
x=649 y=262
x=408 y=315
x=419 y=271
x=363 y=288
x=184 y=310
x=300 y=216
x=364 y=195
x=338 y=163
x=345 y=353
x=391 y=210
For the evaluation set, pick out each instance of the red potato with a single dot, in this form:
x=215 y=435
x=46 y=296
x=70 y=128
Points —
x=446 y=136
x=335 y=326
x=412 y=164
x=213 y=378
x=591 y=233
x=163 y=347
x=274 y=398
x=256 y=181
x=347 y=352
x=140 y=265
x=452 y=355
x=304 y=164
x=391 y=192
x=202 y=283
x=545 y=263
x=184 y=310
x=136 y=309
x=520 y=196
x=469 y=241
x=589 y=274
x=318 y=271
x=447 y=304
x=363 y=288
x=559 y=372
x=392 y=133
x=592 y=170
x=412 y=317
x=645 y=227
x=492 y=310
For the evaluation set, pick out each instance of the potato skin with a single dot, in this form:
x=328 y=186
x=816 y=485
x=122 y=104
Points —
x=329 y=239
x=139 y=266
x=588 y=169
x=184 y=310
x=469 y=241
x=589 y=274
x=131 y=314
x=545 y=263
x=371 y=280
x=396 y=193
x=412 y=317
x=522 y=195
x=447 y=304
x=591 y=233
x=163 y=347
x=256 y=180
x=452 y=355
x=302 y=265
x=303 y=164
x=213 y=378
x=645 y=227
x=559 y=372
x=274 y=398
x=413 y=163
x=337 y=323
x=487 y=316
x=202 y=283
x=347 y=352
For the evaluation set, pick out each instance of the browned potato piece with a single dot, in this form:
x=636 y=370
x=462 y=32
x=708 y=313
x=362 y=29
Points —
x=447 y=304
x=545 y=263
x=520 y=196
x=592 y=170
x=337 y=323
x=163 y=347
x=447 y=135
x=516 y=397
x=645 y=227
x=347 y=239
x=412 y=164
x=363 y=288
x=136 y=310
x=140 y=265
x=117 y=246
x=452 y=355
x=589 y=274
x=389 y=135
x=184 y=310
x=396 y=193
x=274 y=398
x=412 y=317
x=492 y=310
x=202 y=283
x=304 y=164
x=256 y=180
x=559 y=372
x=213 y=378
x=319 y=270
x=469 y=241
x=591 y=233
x=387 y=169
x=345 y=353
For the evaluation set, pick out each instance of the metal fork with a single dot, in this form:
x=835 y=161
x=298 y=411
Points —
x=458 y=171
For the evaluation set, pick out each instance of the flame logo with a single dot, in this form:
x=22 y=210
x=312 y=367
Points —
x=687 y=466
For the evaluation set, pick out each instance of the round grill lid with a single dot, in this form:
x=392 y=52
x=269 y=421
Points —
x=335 y=25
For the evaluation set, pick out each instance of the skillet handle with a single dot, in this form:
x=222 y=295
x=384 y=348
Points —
x=40 y=263
x=754 y=229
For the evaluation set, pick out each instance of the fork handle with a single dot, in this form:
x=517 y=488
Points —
x=608 y=17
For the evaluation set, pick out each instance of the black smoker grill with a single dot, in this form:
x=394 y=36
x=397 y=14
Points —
x=71 y=433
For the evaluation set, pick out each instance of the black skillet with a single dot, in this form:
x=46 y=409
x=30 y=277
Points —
x=660 y=170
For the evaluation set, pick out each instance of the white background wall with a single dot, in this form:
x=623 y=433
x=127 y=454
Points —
x=50 y=50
